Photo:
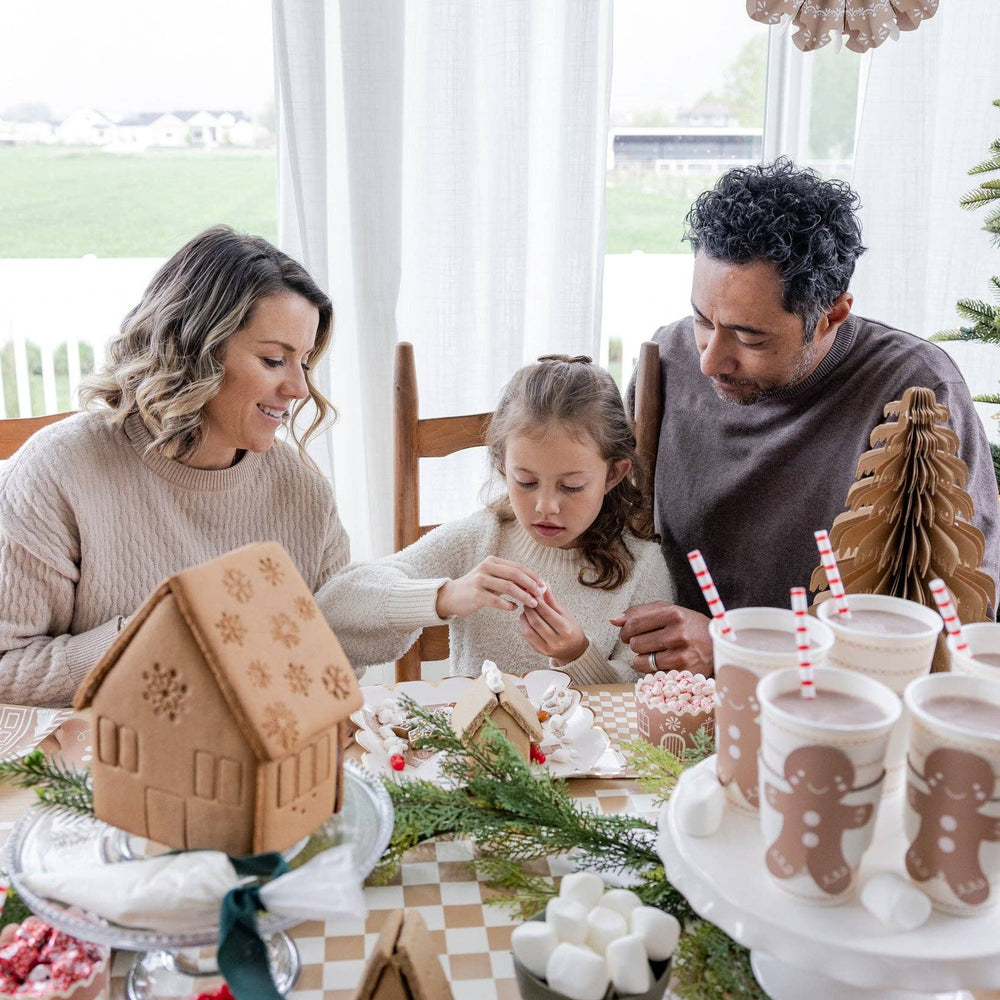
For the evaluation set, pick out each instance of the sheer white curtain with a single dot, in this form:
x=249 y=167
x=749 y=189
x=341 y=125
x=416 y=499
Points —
x=927 y=117
x=461 y=198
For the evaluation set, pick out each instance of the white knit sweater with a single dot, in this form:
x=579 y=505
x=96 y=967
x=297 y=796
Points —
x=400 y=591
x=90 y=525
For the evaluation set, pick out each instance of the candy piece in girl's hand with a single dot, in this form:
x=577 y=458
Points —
x=624 y=901
x=397 y=762
x=577 y=972
x=659 y=931
x=533 y=943
x=603 y=927
x=568 y=919
x=628 y=965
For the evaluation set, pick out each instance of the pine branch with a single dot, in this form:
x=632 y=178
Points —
x=987 y=166
x=509 y=808
x=55 y=783
x=708 y=965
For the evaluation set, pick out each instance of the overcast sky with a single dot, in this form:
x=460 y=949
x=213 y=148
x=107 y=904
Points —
x=139 y=55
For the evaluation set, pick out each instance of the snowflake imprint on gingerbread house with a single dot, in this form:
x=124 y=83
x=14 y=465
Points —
x=237 y=584
x=165 y=691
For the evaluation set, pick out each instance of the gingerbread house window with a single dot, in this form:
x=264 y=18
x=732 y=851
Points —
x=117 y=746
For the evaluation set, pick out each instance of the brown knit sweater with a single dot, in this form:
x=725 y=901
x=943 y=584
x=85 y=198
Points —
x=90 y=525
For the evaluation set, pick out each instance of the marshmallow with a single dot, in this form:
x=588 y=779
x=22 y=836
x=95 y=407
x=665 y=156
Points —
x=700 y=809
x=577 y=973
x=624 y=901
x=659 y=931
x=628 y=965
x=585 y=888
x=898 y=904
x=533 y=943
x=603 y=927
x=568 y=918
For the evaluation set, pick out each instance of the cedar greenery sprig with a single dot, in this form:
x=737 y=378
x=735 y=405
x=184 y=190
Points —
x=55 y=783
x=709 y=965
x=658 y=769
x=516 y=814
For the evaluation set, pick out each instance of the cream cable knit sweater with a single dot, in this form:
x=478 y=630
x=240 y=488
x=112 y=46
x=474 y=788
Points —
x=90 y=525
x=400 y=591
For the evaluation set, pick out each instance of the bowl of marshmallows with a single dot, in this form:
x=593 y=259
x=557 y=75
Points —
x=593 y=943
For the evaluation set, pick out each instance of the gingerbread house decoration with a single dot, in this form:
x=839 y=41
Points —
x=508 y=708
x=219 y=712
x=404 y=964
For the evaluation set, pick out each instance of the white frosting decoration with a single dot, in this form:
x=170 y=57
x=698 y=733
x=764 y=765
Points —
x=494 y=679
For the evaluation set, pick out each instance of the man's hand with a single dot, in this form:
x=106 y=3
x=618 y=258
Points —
x=491 y=584
x=677 y=637
x=553 y=631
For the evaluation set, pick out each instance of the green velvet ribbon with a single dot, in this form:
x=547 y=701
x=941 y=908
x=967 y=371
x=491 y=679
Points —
x=242 y=953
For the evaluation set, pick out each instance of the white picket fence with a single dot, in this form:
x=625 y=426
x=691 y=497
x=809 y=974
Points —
x=51 y=302
x=72 y=302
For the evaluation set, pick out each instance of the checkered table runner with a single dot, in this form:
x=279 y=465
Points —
x=436 y=879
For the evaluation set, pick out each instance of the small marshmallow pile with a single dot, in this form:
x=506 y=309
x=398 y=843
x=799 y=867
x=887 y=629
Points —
x=556 y=700
x=390 y=718
x=677 y=691
x=591 y=937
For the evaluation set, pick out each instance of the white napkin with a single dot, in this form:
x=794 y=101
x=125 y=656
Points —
x=182 y=892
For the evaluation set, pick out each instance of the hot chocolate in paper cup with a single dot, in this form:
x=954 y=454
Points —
x=982 y=658
x=891 y=640
x=952 y=809
x=764 y=642
x=822 y=763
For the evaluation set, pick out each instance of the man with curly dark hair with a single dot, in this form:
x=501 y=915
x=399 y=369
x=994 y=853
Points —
x=771 y=390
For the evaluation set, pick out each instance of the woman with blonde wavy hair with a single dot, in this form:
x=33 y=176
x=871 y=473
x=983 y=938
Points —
x=173 y=461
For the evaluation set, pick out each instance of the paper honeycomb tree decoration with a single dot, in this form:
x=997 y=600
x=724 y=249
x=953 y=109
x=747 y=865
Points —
x=908 y=516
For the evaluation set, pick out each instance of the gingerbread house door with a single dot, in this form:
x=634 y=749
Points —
x=165 y=817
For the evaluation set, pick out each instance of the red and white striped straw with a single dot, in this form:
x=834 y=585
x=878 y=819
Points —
x=943 y=600
x=832 y=574
x=715 y=605
x=800 y=605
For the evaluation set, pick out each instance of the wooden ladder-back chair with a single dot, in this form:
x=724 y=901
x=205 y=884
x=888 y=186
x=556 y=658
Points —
x=15 y=431
x=415 y=438
x=648 y=407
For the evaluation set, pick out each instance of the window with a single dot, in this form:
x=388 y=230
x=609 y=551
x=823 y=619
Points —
x=110 y=160
x=697 y=89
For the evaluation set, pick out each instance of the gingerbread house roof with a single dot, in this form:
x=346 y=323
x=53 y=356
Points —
x=278 y=665
x=478 y=703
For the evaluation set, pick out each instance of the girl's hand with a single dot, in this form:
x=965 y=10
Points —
x=553 y=631
x=486 y=586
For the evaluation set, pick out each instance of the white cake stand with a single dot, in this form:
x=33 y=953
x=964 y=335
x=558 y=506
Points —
x=47 y=839
x=841 y=952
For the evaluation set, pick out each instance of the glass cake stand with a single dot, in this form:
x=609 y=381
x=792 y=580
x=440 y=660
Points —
x=824 y=953
x=180 y=964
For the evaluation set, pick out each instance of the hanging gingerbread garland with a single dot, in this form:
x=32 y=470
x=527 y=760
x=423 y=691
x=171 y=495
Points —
x=865 y=23
x=908 y=517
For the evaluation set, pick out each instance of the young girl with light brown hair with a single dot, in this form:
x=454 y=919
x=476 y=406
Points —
x=532 y=580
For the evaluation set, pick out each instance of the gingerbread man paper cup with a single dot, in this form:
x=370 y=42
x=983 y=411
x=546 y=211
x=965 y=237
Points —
x=952 y=811
x=982 y=657
x=822 y=764
x=764 y=641
x=891 y=640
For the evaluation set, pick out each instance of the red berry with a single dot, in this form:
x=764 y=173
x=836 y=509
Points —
x=397 y=762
